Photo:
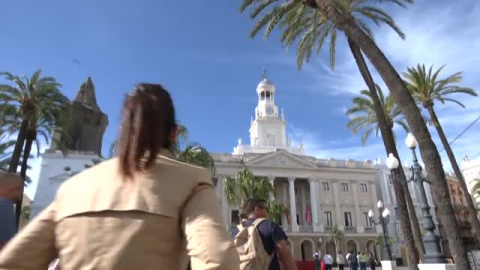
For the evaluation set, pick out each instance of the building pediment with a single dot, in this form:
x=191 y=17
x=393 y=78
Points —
x=280 y=158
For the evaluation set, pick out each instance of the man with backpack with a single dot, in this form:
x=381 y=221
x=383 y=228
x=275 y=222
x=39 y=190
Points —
x=260 y=242
x=353 y=261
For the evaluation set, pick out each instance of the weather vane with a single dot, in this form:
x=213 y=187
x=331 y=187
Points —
x=264 y=75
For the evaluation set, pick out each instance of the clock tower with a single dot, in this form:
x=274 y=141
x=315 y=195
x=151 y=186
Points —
x=268 y=129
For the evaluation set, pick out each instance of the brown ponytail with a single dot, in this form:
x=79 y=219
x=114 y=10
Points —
x=148 y=120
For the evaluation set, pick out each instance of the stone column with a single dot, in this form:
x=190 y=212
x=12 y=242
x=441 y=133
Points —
x=374 y=207
x=386 y=190
x=314 y=203
x=320 y=214
x=225 y=206
x=285 y=201
x=358 y=214
x=338 y=214
x=293 y=206
x=303 y=201
x=272 y=182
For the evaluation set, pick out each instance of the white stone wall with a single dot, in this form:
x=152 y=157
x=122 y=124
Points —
x=53 y=174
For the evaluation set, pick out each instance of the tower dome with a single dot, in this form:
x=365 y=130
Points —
x=266 y=85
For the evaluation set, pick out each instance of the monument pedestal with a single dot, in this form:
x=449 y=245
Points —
x=389 y=265
x=436 y=266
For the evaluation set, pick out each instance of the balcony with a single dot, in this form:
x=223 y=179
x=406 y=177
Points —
x=286 y=228
x=350 y=229
x=370 y=230
x=328 y=229
x=306 y=229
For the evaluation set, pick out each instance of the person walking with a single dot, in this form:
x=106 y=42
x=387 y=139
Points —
x=353 y=260
x=316 y=258
x=372 y=262
x=363 y=259
x=142 y=210
x=273 y=237
x=340 y=260
x=328 y=261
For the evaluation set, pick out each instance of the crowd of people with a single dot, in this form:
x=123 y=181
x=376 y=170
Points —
x=352 y=260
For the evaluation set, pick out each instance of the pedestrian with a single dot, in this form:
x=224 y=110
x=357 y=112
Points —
x=372 y=261
x=340 y=260
x=316 y=257
x=273 y=237
x=328 y=261
x=142 y=210
x=353 y=260
x=363 y=259
x=10 y=191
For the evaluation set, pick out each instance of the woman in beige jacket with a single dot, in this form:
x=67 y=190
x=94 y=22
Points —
x=142 y=210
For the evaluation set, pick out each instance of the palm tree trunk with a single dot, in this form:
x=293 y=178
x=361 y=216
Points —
x=17 y=151
x=472 y=212
x=389 y=143
x=23 y=174
x=400 y=93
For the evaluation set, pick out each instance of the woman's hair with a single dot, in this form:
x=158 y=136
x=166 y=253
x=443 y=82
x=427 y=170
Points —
x=148 y=120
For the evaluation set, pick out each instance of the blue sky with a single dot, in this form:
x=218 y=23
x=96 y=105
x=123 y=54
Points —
x=201 y=52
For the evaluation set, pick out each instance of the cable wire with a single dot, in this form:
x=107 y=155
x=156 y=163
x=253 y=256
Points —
x=463 y=132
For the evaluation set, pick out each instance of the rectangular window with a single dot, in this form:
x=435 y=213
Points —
x=348 y=219
x=328 y=217
x=271 y=139
x=234 y=217
x=326 y=186
x=397 y=214
x=368 y=222
x=363 y=187
x=389 y=179
x=344 y=187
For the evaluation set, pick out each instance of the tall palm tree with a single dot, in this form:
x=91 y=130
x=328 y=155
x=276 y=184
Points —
x=365 y=119
x=244 y=186
x=427 y=88
x=314 y=27
x=336 y=236
x=40 y=105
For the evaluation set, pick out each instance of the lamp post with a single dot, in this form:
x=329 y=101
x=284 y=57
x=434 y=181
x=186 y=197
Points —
x=431 y=241
x=383 y=220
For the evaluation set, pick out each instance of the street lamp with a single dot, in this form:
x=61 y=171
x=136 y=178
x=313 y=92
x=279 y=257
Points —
x=383 y=220
x=431 y=241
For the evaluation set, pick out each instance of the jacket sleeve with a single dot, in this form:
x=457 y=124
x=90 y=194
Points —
x=208 y=243
x=34 y=246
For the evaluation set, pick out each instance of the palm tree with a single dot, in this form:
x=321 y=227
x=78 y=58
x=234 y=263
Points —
x=315 y=27
x=277 y=210
x=365 y=119
x=336 y=236
x=196 y=154
x=427 y=88
x=40 y=105
x=244 y=186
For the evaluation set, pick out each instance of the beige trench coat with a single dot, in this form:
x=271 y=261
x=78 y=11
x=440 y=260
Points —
x=155 y=221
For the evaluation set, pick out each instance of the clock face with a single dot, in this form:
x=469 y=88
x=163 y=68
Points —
x=269 y=110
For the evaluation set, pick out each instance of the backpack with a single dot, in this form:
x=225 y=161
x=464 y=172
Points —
x=250 y=248
x=353 y=259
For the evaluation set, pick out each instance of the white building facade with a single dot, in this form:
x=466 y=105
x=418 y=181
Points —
x=319 y=193
x=471 y=174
